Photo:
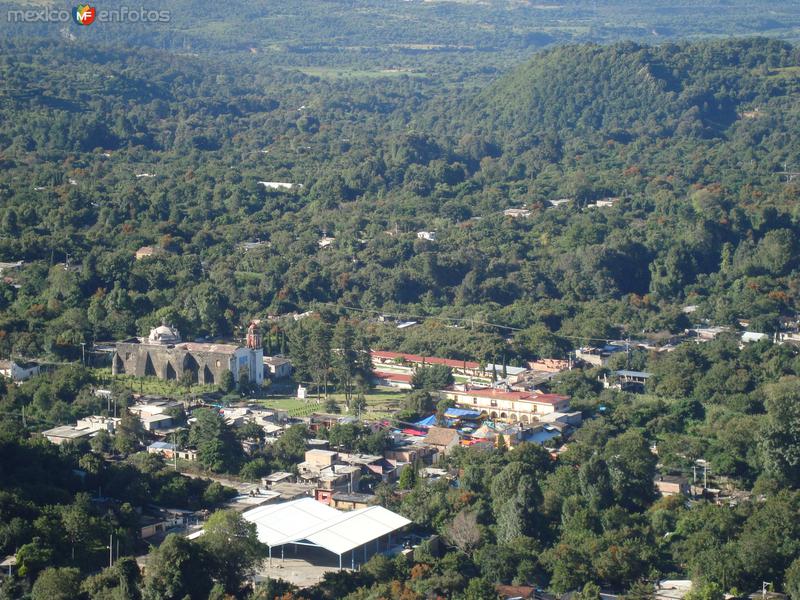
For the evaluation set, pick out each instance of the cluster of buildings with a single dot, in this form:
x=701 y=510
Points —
x=497 y=392
x=160 y=417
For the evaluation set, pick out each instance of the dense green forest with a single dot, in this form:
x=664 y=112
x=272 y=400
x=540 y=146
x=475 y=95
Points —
x=104 y=150
x=704 y=215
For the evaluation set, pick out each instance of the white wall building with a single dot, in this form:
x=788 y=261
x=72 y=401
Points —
x=18 y=371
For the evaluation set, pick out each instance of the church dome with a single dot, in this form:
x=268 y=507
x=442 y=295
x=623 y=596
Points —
x=164 y=334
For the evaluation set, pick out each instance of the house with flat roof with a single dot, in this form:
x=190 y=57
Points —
x=277 y=477
x=156 y=422
x=549 y=365
x=351 y=500
x=84 y=429
x=627 y=380
x=66 y=433
x=169 y=451
x=316 y=460
x=673 y=485
x=277 y=367
x=598 y=357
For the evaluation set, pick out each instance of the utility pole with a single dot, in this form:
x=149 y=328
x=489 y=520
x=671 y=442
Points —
x=628 y=353
x=764 y=586
x=111 y=550
x=83 y=353
x=701 y=462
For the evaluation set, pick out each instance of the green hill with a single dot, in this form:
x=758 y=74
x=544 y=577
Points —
x=631 y=89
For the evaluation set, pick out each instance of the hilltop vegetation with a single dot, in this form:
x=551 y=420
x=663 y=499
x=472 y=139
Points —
x=97 y=166
x=690 y=140
x=633 y=90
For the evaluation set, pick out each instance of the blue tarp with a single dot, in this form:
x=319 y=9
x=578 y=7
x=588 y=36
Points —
x=426 y=422
x=460 y=413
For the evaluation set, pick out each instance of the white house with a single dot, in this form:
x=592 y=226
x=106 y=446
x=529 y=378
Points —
x=18 y=371
x=280 y=186
x=427 y=235
x=84 y=428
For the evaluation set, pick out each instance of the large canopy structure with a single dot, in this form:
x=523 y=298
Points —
x=308 y=522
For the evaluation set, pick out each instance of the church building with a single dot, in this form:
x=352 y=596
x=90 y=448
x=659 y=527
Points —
x=162 y=354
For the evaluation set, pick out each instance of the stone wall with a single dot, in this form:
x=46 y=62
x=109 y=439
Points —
x=167 y=362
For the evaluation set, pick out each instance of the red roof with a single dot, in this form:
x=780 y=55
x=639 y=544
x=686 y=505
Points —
x=417 y=432
x=503 y=395
x=430 y=360
x=392 y=376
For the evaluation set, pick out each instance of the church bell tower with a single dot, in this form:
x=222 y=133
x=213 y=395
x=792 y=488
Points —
x=253 y=336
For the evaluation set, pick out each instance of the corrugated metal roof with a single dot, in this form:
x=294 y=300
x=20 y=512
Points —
x=322 y=525
x=627 y=373
x=162 y=446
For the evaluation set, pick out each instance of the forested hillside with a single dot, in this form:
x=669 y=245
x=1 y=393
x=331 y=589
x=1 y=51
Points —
x=265 y=190
x=118 y=156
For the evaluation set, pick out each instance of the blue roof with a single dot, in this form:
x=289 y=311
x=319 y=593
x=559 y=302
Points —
x=460 y=413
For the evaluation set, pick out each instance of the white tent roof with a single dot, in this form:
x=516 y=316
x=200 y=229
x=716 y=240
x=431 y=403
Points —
x=321 y=525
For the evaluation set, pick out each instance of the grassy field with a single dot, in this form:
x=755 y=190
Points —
x=381 y=402
x=784 y=73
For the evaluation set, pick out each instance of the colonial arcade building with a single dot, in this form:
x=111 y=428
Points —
x=164 y=355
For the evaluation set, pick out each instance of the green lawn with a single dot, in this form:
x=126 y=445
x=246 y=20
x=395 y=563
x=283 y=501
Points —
x=380 y=403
